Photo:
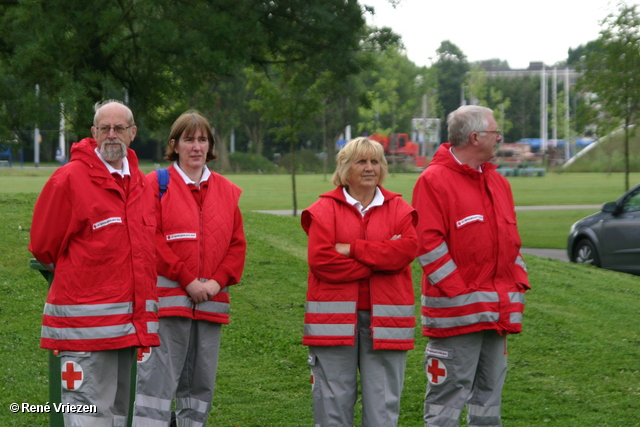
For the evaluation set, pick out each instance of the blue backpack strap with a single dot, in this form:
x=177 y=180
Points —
x=163 y=181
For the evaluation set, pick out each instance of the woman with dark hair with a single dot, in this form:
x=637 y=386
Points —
x=201 y=252
x=360 y=313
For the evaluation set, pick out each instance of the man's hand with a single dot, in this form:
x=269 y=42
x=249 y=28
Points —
x=202 y=291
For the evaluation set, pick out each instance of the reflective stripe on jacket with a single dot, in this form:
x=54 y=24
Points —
x=207 y=242
x=474 y=277
x=102 y=244
x=334 y=279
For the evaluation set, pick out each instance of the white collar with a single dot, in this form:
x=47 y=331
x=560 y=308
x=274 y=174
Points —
x=378 y=200
x=122 y=172
x=458 y=160
x=206 y=173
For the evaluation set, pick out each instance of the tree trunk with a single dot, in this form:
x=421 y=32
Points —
x=292 y=146
x=626 y=154
x=255 y=135
x=160 y=149
x=324 y=141
x=221 y=150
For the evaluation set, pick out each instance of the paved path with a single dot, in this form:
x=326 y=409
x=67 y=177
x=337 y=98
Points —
x=518 y=208
x=560 y=254
x=557 y=207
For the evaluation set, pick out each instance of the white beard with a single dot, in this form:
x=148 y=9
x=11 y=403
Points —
x=112 y=153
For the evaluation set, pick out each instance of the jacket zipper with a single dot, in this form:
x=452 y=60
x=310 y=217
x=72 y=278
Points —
x=201 y=249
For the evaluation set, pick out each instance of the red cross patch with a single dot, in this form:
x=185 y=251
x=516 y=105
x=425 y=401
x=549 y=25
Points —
x=143 y=354
x=436 y=371
x=72 y=375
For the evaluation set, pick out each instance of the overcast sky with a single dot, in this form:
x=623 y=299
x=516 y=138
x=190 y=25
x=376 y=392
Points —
x=513 y=30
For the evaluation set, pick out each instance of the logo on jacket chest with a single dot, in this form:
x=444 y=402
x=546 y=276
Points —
x=108 y=221
x=469 y=219
x=181 y=236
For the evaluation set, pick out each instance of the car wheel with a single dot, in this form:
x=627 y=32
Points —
x=585 y=253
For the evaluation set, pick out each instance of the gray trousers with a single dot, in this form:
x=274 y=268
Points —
x=184 y=367
x=335 y=385
x=100 y=378
x=466 y=369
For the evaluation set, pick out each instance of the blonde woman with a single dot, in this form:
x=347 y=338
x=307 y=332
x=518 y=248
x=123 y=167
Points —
x=360 y=303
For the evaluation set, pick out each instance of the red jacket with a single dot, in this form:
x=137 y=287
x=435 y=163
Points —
x=474 y=277
x=377 y=262
x=198 y=242
x=101 y=242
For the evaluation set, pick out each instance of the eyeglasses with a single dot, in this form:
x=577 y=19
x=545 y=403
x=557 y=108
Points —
x=120 y=130
x=497 y=132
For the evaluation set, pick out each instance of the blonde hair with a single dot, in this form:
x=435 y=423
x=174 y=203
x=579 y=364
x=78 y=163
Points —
x=353 y=150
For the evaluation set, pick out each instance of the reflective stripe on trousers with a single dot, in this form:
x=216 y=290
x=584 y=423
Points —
x=148 y=405
x=468 y=369
x=184 y=365
x=335 y=386
x=104 y=381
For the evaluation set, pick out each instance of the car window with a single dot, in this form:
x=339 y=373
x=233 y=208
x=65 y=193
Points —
x=632 y=203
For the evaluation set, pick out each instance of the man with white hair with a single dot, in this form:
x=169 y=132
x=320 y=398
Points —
x=94 y=227
x=474 y=277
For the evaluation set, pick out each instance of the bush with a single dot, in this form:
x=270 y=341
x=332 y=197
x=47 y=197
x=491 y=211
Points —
x=307 y=161
x=251 y=163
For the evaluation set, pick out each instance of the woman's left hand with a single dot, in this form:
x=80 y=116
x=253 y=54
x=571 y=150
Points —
x=202 y=291
x=344 y=248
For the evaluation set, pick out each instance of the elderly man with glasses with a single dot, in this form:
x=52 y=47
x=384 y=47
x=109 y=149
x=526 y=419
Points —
x=474 y=278
x=94 y=227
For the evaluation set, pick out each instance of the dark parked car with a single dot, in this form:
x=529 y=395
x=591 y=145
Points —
x=610 y=238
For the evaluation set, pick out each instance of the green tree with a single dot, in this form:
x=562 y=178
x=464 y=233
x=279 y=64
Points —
x=153 y=52
x=575 y=55
x=612 y=72
x=346 y=98
x=289 y=97
x=482 y=91
x=451 y=68
x=521 y=96
x=341 y=102
x=395 y=90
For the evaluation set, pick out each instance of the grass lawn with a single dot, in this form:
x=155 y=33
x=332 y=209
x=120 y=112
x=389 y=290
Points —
x=576 y=364
x=274 y=191
x=538 y=229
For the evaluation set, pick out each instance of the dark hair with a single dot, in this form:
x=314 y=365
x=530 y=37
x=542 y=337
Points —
x=188 y=123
